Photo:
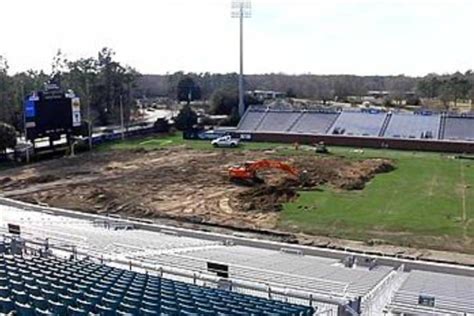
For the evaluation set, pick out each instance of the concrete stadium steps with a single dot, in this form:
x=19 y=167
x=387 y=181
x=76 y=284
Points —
x=442 y=126
x=385 y=124
x=407 y=125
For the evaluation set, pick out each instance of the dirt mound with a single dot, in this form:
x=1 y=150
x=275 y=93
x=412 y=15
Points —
x=5 y=180
x=265 y=198
x=41 y=179
x=279 y=189
x=355 y=176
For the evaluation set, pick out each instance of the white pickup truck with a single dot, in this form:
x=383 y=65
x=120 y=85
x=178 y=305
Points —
x=226 y=141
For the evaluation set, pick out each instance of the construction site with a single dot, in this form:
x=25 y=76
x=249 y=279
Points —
x=183 y=184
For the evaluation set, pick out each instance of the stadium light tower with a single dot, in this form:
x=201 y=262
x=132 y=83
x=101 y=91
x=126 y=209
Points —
x=241 y=9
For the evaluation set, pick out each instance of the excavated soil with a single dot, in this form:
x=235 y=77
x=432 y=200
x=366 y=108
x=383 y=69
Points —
x=179 y=183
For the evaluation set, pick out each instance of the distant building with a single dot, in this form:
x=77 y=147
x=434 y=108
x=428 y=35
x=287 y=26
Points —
x=263 y=95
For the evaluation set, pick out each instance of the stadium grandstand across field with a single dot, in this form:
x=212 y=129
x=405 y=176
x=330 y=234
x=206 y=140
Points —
x=365 y=128
x=67 y=263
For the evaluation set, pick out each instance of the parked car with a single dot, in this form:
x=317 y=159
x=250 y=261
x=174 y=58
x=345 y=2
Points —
x=226 y=141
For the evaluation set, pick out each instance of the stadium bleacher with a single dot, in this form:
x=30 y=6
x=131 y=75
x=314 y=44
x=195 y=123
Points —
x=418 y=126
x=459 y=128
x=178 y=268
x=429 y=126
x=314 y=122
x=321 y=275
x=449 y=294
x=358 y=123
x=251 y=120
x=278 y=121
x=52 y=286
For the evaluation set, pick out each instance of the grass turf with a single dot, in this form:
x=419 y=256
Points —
x=158 y=142
x=427 y=201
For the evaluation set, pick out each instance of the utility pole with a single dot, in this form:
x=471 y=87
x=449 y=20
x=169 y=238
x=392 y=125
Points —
x=25 y=129
x=121 y=118
x=241 y=9
x=89 y=120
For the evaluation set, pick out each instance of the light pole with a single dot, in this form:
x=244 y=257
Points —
x=121 y=118
x=89 y=117
x=241 y=9
x=23 y=101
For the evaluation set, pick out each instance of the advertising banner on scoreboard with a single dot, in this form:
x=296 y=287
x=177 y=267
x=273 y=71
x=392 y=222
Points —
x=76 y=112
x=30 y=110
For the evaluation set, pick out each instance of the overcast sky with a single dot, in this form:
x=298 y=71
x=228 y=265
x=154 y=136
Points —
x=363 y=37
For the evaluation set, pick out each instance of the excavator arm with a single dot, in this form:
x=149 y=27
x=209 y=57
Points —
x=248 y=171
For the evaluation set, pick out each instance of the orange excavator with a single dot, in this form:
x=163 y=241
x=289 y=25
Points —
x=247 y=173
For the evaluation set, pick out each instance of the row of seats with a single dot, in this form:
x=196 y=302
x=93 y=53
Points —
x=51 y=286
x=360 y=123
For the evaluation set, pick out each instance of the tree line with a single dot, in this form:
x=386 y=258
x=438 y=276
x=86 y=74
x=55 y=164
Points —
x=320 y=87
x=447 y=88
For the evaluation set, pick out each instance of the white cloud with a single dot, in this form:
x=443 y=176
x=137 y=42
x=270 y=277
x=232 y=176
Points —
x=294 y=36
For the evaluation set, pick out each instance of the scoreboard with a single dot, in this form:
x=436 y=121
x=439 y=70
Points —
x=52 y=113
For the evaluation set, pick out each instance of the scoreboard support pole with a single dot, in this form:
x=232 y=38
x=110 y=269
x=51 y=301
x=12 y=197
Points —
x=27 y=153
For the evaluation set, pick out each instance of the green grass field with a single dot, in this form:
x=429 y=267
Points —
x=428 y=201
x=159 y=142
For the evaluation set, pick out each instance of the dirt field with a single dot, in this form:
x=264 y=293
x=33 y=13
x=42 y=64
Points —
x=179 y=183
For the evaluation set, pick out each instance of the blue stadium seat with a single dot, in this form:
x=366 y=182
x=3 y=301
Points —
x=41 y=312
x=53 y=291
x=111 y=303
x=38 y=302
x=151 y=305
x=57 y=308
x=6 y=305
x=20 y=296
x=131 y=300
x=66 y=299
x=104 y=310
x=148 y=312
x=4 y=291
x=76 y=311
x=132 y=309
x=24 y=309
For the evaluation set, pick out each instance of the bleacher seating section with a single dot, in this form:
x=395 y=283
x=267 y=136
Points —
x=413 y=126
x=453 y=294
x=52 y=286
x=314 y=122
x=251 y=120
x=278 y=121
x=359 y=123
x=459 y=128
